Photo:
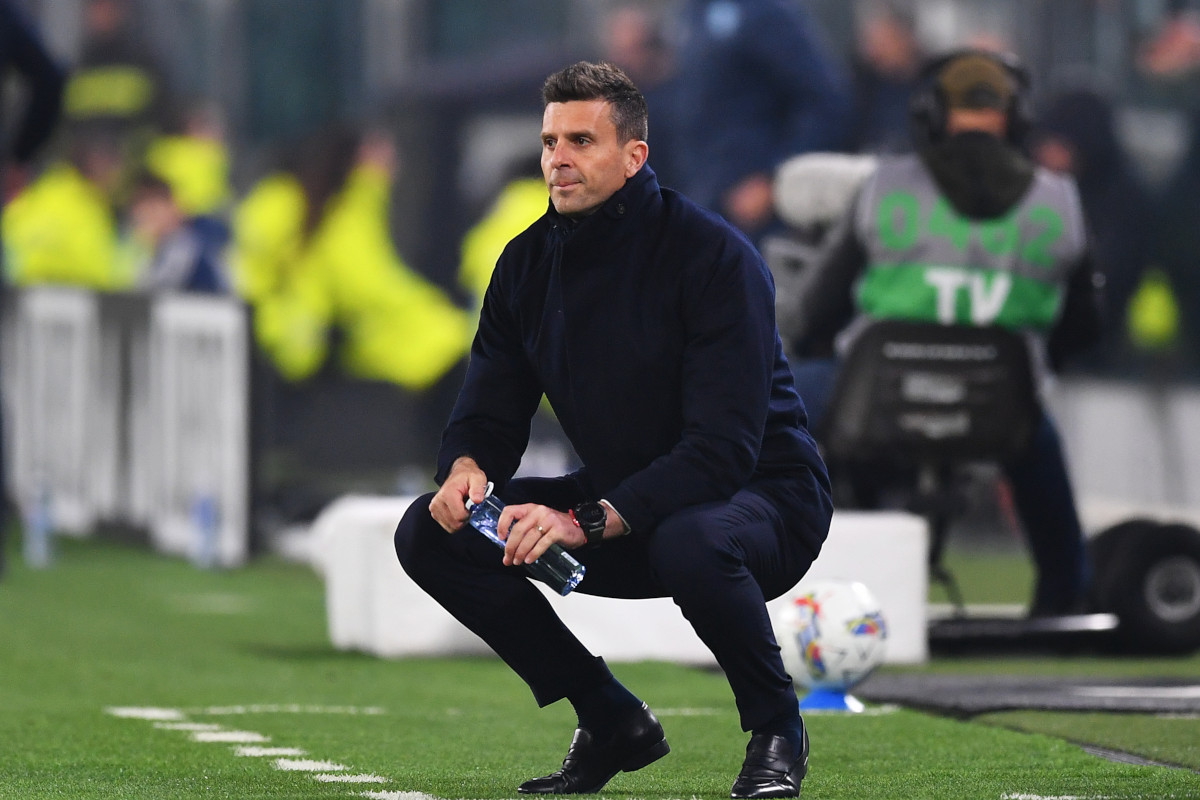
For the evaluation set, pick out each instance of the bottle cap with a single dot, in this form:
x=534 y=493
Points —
x=487 y=492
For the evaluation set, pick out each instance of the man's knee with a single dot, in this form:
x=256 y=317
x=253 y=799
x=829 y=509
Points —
x=689 y=551
x=413 y=531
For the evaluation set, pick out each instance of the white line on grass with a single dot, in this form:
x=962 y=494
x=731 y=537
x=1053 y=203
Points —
x=398 y=796
x=308 y=765
x=1021 y=796
x=138 y=712
x=869 y=711
x=1140 y=692
x=261 y=752
x=339 y=778
x=229 y=737
x=187 y=726
x=326 y=771
x=290 y=708
x=221 y=603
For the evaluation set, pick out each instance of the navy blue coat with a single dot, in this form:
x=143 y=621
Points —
x=757 y=84
x=650 y=327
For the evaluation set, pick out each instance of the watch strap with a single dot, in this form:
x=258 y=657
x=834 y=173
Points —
x=593 y=532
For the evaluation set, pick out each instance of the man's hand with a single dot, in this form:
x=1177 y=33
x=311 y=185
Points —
x=533 y=528
x=449 y=506
x=750 y=203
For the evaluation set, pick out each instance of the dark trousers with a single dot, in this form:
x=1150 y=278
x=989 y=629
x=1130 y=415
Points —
x=1042 y=496
x=719 y=562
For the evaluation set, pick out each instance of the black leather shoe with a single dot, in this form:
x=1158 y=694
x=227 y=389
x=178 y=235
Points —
x=591 y=763
x=771 y=769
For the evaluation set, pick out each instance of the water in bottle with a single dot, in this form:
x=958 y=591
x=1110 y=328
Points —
x=39 y=530
x=557 y=568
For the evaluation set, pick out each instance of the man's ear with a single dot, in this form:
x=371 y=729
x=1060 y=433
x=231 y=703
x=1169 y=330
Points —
x=635 y=156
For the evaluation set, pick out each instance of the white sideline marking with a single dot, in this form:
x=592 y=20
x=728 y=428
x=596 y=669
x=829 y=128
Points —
x=136 y=712
x=174 y=719
x=1140 y=692
x=259 y=752
x=869 y=711
x=398 y=796
x=349 y=778
x=221 y=603
x=308 y=765
x=1055 y=797
x=229 y=737
x=187 y=726
x=290 y=708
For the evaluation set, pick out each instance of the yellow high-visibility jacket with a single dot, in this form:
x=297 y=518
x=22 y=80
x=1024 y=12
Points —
x=197 y=170
x=61 y=229
x=397 y=326
x=519 y=204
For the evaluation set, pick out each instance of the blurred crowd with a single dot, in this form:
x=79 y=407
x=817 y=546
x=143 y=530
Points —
x=134 y=193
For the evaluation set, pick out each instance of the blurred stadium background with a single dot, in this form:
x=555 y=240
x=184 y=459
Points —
x=153 y=417
x=177 y=430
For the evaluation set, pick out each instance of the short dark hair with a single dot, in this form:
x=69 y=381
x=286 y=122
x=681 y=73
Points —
x=587 y=81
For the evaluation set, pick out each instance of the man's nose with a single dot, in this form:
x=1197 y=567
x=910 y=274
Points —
x=560 y=157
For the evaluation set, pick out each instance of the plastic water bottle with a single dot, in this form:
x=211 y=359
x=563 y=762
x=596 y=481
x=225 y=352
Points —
x=206 y=530
x=39 y=531
x=557 y=568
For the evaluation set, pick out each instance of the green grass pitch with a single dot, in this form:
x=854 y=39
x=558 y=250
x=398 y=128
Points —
x=128 y=675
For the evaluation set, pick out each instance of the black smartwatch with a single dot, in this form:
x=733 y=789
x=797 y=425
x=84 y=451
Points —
x=591 y=519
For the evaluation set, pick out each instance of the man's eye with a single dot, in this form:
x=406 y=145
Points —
x=548 y=143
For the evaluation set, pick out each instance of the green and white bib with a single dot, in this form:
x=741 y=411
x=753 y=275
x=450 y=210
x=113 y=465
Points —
x=926 y=261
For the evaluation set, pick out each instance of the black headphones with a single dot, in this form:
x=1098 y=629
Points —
x=927 y=106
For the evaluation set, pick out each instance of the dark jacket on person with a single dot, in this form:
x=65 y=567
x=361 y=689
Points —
x=1116 y=203
x=21 y=48
x=757 y=84
x=650 y=327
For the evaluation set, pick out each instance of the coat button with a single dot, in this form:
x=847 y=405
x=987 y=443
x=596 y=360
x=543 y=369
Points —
x=621 y=209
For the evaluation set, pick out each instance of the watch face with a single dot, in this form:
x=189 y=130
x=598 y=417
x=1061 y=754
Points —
x=591 y=515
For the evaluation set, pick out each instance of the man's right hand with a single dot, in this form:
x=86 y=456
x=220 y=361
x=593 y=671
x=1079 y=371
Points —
x=449 y=506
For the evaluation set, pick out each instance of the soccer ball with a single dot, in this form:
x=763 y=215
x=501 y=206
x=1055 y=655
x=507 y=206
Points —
x=832 y=634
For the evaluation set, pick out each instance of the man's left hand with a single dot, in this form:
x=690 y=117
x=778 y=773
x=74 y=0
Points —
x=534 y=529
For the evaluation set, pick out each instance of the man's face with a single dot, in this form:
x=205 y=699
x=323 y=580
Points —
x=984 y=120
x=582 y=161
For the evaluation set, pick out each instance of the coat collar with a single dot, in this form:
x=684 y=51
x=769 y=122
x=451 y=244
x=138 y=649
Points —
x=630 y=199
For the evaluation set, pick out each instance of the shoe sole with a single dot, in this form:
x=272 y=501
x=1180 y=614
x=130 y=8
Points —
x=647 y=756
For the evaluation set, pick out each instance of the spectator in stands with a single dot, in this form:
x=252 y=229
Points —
x=118 y=85
x=178 y=221
x=313 y=254
x=193 y=157
x=923 y=230
x=636 y=40
x=1076 y=135
x=757 y=84
x=176 y=251
x=22 y=52
x=1169 y=60
x=63 y=227
x=521 y=200
x=888 y=57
